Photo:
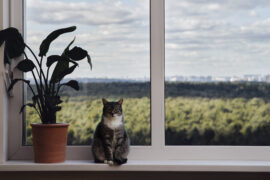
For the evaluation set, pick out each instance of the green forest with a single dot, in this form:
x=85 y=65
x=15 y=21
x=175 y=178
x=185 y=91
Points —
x=196 y=113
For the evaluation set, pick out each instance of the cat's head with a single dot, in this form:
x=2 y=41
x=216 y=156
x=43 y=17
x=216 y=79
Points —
x=112 y=109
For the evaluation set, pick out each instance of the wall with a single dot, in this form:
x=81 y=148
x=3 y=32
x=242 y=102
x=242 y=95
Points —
x=4 y=14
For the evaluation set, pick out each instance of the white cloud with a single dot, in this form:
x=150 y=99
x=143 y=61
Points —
x=212 y=34
x=252 y=13
x=226 y=40
x=115 y=33
x=93 y=13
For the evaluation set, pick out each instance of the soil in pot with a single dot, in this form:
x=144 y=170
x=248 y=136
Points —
x=49 y=141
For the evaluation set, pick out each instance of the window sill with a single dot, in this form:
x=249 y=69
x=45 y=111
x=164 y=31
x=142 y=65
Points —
x=210 y=166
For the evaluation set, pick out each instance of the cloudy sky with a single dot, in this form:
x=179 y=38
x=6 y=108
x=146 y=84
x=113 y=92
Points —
x=115 y=33
x=217 y=37
x=203 y=37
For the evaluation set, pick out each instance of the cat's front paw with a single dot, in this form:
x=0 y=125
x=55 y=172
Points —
x=108 y=162
x=120 y=161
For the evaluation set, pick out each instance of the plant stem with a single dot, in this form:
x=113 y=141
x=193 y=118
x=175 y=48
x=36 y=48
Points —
x=39 y=114
x=40 y=93
x=33 y=92
x=58 y=88
x=47 y=77
x=39 y=64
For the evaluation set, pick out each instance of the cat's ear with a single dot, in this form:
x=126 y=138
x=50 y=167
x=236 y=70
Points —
x=104 y=101
x=120 y=101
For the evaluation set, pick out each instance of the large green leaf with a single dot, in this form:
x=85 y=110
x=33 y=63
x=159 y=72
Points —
x=68 y=46
x=89 y=61
x=61 y=66
x=52 y=59
x=44 y=47
x=55 y=58
x=26 y=65
x=73 y=84
x=52 y=101
x=59 y=76
x=78 y=54
x=28 y=104
x=14 y=81
x=14 y=43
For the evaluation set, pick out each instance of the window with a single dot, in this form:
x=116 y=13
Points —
x=116 y=34
x=157 y=150
x=217 y=73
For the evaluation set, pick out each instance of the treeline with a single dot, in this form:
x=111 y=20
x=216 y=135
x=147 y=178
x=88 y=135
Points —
x=218 y=89
x=173 y=89
x=108 y=90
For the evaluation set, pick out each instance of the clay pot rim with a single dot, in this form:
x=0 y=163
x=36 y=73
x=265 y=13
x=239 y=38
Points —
x=49 y=125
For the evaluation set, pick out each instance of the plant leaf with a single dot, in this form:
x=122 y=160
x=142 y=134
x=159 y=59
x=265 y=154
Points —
x=72 y=83
x=61 y=66
x=58 y=108
x=14 y=43
x=14 y=81
x=52 y=101
x=89 y=61
x=7 y=59
x=55 y=58
x=26 y=65
x=67 y=48
x=61 y=75
x=44 y=47
x=28 y=104
x=78 y=54
x=52 y=59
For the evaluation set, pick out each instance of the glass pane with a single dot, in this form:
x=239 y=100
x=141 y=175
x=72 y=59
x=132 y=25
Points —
x=217 y=72
x=116 y=35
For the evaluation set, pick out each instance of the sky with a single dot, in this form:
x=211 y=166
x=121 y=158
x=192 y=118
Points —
x=217 y=37
x=203 y=37
x=115 y=33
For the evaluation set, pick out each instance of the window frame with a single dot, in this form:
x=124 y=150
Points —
x=157 y=150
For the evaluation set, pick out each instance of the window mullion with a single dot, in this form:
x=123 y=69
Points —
x=157 y=43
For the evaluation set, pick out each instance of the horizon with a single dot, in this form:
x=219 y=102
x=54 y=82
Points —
x=179 y=78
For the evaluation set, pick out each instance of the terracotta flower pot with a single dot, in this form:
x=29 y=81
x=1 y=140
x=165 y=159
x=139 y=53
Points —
x=49 y=141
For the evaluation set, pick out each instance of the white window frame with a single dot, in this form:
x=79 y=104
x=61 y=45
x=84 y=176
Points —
x=157 y=150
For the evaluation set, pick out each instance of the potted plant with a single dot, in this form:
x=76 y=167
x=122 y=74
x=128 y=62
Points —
x=49 y=137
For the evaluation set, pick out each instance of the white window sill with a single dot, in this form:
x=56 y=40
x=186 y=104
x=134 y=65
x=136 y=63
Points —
x=210 y=166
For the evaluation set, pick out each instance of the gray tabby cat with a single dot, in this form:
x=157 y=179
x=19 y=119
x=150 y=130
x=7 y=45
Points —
x=111 y=142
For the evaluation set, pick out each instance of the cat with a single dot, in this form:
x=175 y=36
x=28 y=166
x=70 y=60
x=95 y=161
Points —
x=111 y=141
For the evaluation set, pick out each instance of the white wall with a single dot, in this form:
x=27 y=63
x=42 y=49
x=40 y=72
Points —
x=4 y=13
